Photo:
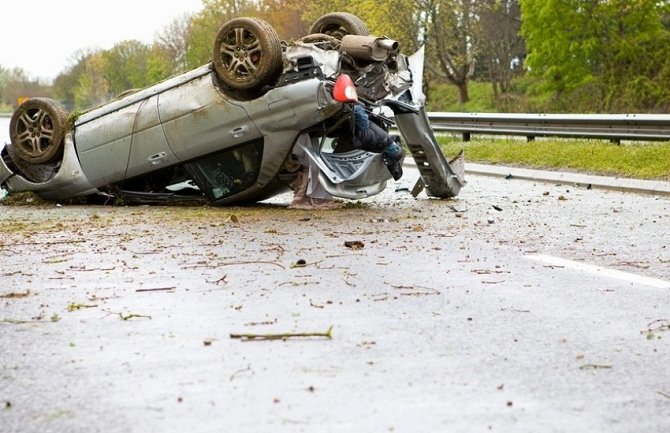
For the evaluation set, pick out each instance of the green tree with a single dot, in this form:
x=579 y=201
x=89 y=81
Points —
x=611 y=55
x=562 y=41
x=4 y=78
x=126 y=66
x=286 y=17
x=452 y=39
x=15 y=84
x=169 y=48
x=92 y=86
x=502 y=45
x=67 y=82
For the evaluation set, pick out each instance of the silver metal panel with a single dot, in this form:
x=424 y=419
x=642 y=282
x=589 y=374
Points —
x=305 y=103
x=282 y=113
x=149 y=148
x=439 y=177
x=197 y=119
x=103 y=145
x=68 y=182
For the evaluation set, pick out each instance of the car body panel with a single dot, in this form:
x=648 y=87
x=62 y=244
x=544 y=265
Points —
x=197 y=119
x=438 y=176
x=69 y=181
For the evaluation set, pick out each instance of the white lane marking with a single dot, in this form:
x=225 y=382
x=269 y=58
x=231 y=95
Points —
x=601 y=271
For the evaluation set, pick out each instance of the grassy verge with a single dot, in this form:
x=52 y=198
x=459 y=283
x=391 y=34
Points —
x=634 y=160
x=444 y=97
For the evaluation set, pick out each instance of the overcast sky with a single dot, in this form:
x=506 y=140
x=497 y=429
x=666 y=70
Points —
x=40 y=36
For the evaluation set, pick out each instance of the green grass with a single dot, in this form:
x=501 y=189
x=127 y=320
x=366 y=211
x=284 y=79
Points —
x=444 y=97
x=634 y=160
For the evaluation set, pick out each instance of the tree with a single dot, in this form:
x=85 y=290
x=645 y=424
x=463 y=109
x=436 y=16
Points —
x=4 y=78
x=614 y=51
x=562 y=41
x=285 y=17
x=171 y=44
x=452 y=31
x=67 y=82
x=126 y=66
x=92 y=86
x=15 y=84
x=503 y=48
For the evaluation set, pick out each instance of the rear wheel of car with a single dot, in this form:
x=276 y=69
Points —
x=37 y=129
x=340 y=24
x=247 y=54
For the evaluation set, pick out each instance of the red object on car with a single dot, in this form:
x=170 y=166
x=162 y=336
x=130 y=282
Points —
x=344 y=90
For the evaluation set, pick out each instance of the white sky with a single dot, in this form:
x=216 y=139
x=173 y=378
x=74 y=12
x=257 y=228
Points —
x=40 y=36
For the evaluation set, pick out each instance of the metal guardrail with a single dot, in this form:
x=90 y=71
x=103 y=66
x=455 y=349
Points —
x=614 y=127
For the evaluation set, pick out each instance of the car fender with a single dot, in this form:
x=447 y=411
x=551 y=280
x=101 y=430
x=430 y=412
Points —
x=68 y=182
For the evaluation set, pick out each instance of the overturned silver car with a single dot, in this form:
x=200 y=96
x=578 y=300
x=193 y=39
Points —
x=229 y=131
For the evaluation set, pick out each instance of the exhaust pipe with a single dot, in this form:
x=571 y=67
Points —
x=371 y=48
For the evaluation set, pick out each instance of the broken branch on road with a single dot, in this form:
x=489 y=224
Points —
x=126 y=316
x=283 y=336
x=159 y=289
x=13 y=295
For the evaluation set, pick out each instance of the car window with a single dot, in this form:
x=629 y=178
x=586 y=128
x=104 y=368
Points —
x=228 y=172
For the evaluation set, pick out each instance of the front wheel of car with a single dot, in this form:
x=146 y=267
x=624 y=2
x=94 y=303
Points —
x=37 y=128
x=340 y=24
x=247 y=54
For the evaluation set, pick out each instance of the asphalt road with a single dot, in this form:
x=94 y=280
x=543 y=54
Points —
x=517 y=307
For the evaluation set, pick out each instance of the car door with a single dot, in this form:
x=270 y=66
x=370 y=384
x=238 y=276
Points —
x=122 y=140
x=199 y=120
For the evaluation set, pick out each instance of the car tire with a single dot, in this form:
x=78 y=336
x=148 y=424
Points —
x=340 y=24
x=247 y=54
x=37 y=128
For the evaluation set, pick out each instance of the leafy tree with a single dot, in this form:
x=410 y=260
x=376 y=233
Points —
x=15 y=84
x=611 y=54
x=4 y=78
x=171 y=44
x=92 y=87
x=126 y=66
x=503 y=48
x=286 y=17
x=562 y=40
x=452 y=39
x=67 y=82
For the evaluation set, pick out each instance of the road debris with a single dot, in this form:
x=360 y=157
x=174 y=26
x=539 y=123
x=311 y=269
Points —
x=160 y=289
x=14 y=295
x=283 y=336
x=74 y=307
x=595 y=367
x=354 y=245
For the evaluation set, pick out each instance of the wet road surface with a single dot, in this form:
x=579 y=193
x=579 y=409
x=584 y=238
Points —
x=516 y=307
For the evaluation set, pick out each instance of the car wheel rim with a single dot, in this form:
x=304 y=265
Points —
x=241 y=54
x=35 y=132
